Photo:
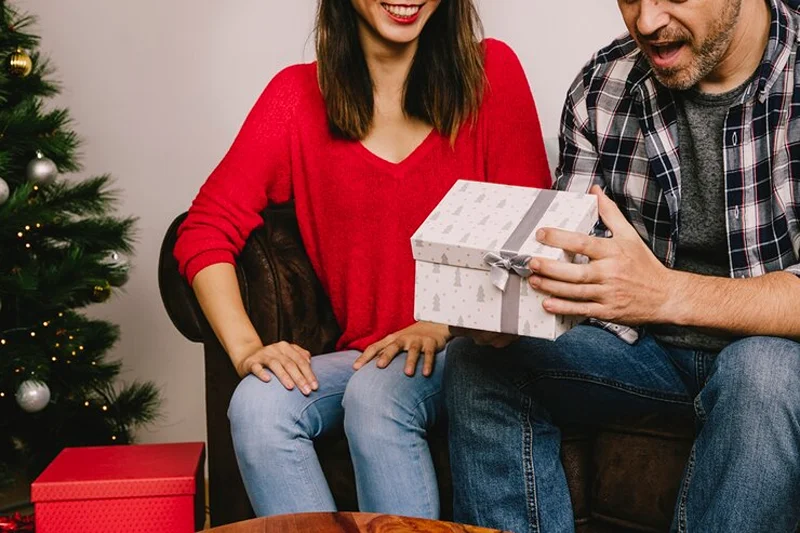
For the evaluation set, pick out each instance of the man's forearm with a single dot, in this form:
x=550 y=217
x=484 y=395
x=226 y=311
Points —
x=767 y=305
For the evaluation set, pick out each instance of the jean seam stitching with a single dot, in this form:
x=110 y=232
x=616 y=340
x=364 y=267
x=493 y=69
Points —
x=425 y=429
x=699 y=410
x=700 y=370
x=645 y=393
x=682 y=518
x=529 y=466
x=298 y=450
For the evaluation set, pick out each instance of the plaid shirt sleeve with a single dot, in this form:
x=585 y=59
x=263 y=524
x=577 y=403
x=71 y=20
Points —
x=579 y=163
x=579 y=168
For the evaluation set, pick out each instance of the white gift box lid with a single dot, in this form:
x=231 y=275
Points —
x=475 y=218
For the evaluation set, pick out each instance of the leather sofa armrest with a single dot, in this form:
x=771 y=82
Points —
x=279 y=288
x=176 y=294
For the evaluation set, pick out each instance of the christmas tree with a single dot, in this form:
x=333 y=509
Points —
x=62 y=250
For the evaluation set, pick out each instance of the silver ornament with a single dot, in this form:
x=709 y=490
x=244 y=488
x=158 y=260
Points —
x=33 y=396
x=5 y=192
x=117 y=260
x=120 y=263
x=41 y=170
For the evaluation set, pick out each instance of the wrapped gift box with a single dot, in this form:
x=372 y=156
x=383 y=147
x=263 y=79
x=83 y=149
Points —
x=114 y=489
x=473 y=250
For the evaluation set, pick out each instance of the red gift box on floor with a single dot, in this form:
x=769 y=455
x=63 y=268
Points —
x=109 y=489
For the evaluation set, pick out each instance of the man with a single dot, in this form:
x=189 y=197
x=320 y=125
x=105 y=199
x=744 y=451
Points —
x=691 y=125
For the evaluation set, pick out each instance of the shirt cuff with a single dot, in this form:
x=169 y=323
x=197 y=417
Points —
x=794 y=269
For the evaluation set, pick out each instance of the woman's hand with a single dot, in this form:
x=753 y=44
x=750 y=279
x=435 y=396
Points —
x=290 y=363
x=424 y=338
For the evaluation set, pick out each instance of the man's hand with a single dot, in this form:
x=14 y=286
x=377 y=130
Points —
x=623 y=281
x=424 y=338
x=484 y=338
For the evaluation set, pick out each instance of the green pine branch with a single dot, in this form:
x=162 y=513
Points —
x=57 y=241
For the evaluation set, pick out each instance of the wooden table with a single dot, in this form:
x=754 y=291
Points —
x=346 y=523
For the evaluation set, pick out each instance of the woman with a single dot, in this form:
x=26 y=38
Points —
x=403 y=101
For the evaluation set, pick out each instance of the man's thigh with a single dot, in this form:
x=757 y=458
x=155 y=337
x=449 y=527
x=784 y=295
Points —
x=589 y=375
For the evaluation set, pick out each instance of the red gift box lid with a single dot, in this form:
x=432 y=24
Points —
x=120 y=472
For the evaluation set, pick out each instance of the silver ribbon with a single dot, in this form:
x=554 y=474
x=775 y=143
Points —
x=505 y=263
x=509 y=255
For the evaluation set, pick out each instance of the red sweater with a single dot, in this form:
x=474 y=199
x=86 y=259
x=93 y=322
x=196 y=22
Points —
x=356 y=211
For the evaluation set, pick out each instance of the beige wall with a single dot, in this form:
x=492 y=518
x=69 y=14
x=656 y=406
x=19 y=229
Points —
x=158 y=89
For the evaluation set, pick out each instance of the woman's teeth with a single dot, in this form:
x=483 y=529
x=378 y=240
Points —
x=402 y=11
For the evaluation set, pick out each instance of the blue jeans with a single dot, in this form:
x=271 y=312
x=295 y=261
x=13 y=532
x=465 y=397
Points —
x=385 y=415
x=505 y=408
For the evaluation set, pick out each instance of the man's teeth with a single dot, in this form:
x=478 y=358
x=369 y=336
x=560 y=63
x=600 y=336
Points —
x=402 y=11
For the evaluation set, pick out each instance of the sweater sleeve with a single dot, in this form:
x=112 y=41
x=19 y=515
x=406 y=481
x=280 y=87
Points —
x=516 y=153
x=255 y=172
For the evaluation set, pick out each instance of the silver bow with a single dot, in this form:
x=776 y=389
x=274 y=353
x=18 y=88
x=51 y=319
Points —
x=503 y=264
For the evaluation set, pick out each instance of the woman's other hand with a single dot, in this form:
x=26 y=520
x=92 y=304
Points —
x=422 y=338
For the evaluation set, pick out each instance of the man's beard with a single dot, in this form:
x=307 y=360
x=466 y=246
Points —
x=705 y=57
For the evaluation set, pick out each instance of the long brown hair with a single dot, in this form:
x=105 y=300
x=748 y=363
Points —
x=444 y=87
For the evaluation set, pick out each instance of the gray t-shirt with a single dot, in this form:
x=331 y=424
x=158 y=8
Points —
x=702 y=238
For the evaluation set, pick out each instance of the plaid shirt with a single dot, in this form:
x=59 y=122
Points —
x=619 y=129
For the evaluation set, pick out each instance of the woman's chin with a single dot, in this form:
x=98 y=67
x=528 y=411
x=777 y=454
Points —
x=398 y=36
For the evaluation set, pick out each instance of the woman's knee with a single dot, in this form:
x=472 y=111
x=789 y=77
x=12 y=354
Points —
x=378 y=401
x=263 y=414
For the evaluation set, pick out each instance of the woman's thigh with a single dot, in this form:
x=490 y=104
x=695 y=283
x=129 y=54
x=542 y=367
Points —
x=265 y=409
x=389 y=394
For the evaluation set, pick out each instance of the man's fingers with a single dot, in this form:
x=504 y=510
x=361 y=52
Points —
x=611 y=216
x=485 y=338
x=568 y=291
x=562 y=271
x=571 y=241
x=558 y=306
x=504 y=340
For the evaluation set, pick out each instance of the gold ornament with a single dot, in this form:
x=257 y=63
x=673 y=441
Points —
x=101 y=292
x=20 y=63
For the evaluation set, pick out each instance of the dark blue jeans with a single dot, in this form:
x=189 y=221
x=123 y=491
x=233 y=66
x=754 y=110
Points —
x=505 y=407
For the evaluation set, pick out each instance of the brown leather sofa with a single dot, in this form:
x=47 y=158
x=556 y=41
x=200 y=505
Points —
x=622 y=477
